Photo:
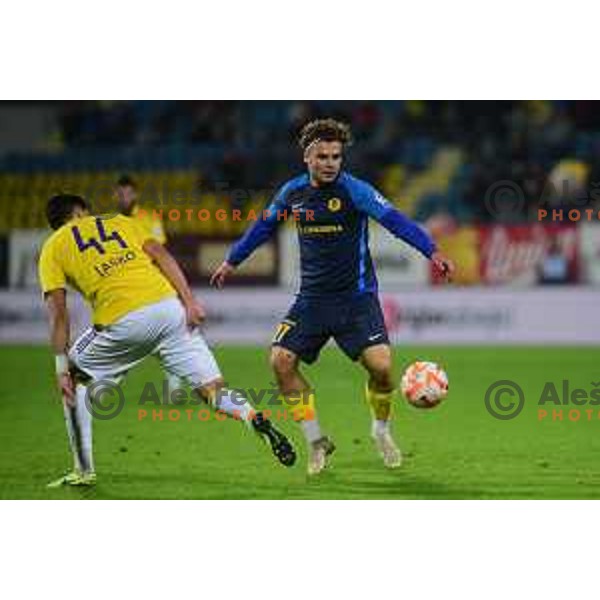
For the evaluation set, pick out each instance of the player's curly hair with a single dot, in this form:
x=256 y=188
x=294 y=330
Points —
x=60 y=208
x=326 y=130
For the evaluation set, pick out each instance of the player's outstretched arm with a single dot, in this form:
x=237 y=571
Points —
x=253 y=237
x=56 y=303
x=368 y=199
x=170 y=269
x=417 y=237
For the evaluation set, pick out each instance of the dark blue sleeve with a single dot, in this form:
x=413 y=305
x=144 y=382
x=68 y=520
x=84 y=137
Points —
x=370 y=201
x=260 y=232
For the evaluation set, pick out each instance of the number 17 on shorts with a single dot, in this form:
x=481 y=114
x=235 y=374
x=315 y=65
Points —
x=282 y=330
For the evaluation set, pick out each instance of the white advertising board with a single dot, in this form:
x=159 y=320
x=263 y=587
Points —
x=23 y=253
x=437 y=316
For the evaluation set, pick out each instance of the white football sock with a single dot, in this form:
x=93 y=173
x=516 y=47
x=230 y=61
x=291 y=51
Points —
x=175 y=383
x=83 y=419
x=380 y=427
x=72 y=434
x=311 y=430
x=234 y=405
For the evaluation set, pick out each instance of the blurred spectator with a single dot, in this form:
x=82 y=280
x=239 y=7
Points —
x=554 y=266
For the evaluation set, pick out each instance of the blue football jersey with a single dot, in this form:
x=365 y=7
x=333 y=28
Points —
x=333 y=233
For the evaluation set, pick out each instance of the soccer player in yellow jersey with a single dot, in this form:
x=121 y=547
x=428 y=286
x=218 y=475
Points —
x=141 y=305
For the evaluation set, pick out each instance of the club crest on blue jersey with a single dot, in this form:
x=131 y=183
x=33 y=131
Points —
x=334 y=204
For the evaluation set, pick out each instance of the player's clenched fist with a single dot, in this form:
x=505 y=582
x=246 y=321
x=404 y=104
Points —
x=194 y=313
x=443 y=266
x=218 y=277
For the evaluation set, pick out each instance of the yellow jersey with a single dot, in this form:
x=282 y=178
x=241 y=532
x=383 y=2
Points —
x=152 y=227
x=102 y=258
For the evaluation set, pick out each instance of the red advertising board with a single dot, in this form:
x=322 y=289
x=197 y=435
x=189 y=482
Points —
x=528 y=254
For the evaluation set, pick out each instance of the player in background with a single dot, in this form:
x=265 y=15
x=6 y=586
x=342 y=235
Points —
x=141 y=305
x=127 y=203
x=338 y=288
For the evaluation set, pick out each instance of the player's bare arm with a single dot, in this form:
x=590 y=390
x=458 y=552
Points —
x=195 y=312
x=56 y=303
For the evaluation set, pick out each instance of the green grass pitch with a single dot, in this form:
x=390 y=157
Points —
x=455 y=451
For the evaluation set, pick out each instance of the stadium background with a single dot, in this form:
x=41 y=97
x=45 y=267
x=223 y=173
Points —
x=474 y=173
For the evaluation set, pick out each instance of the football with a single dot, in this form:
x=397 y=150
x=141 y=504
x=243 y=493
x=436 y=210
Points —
x=424 y=384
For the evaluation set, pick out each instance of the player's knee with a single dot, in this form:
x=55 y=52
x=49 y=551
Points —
x=284 y=363
x=381 y=375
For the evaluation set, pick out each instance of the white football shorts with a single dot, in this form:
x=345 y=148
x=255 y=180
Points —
x=158 y=329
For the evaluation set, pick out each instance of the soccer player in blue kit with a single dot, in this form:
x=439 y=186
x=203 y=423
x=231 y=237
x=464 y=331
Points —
x=338 y=290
